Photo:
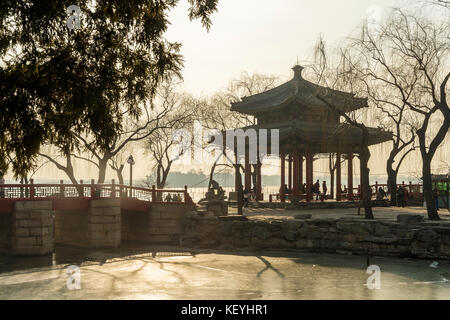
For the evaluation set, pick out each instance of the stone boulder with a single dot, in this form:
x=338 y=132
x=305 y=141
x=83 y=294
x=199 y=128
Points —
x=233 y=218
x=410 y=218
x=303 y=216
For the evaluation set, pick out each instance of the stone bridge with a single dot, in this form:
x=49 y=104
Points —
x=33 y=217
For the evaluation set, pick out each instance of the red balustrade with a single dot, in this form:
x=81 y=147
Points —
x=94 y=191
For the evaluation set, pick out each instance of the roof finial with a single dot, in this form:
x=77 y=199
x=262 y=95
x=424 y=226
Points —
x=297 y=71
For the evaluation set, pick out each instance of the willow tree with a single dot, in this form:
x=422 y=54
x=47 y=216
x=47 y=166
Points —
x=408 y=57
x=57 y=80
x=337 y=72
x=395 y=116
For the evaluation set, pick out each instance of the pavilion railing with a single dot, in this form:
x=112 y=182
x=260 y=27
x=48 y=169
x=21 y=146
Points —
x=412 y=189
x=93 y=190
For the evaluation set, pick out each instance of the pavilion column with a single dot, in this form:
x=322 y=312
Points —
x=248 y=171
x=338 y=176
x=258 y=182
x=300 y=171
x=282 y=194
x=350 y=177
x=295 y=190
x=290 y=171
x=308 y=176
x=311 y=168
x=236 y=178
x=258 y=173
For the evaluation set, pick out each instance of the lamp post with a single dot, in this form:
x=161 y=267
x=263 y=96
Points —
x=131 y=162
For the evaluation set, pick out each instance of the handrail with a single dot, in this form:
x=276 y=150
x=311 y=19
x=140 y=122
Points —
x=93 y=190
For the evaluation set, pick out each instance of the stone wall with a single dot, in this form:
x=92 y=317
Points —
x=71 y=227
x=6 y=228
x=32 y=228
x=104 y=223
x=162 y=224
x=345 y=235
x=165 y=225
x=135 y=225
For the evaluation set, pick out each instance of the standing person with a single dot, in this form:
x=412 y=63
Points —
x=436 y=198
x=2 y=181
x=317 y=189
x=240 y=199
x=287 y=192
x=246 y=195
x=405 y=197
x=381 y=194
x=324 y=189
x=401 y=197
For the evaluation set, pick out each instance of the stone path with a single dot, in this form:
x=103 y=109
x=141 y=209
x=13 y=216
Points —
x=385 y=213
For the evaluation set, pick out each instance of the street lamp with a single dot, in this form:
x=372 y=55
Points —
x=131 y=162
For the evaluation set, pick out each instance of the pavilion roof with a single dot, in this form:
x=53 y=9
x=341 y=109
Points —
x=302 y=91
x=324 y=136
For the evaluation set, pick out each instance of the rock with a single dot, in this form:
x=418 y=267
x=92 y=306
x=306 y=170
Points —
x=303 y=216
x=191 y=214
x=409 y=218
x=427 y=236
x=261 y=233
x=233 y=218
x=382 y=230
x=357 y=228
x=290 y=236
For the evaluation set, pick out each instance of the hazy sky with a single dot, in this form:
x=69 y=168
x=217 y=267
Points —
x=263 y=36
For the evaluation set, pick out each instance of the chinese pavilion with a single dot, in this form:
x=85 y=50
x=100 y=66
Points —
x=307 y=127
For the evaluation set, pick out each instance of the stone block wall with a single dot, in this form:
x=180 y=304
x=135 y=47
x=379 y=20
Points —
x=425 y=239
x=32 y=228
x=6 y=229
x=135 y=225
x=165 y=223
x=104 y=223
x=71 y=227
x=161 y=224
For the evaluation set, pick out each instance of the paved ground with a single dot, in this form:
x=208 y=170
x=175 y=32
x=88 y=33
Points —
x=176 y=273
x=388 y=213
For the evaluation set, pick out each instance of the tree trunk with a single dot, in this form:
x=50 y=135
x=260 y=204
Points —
x=428 y=189
x=211 y=174
x=102 y=171
x=120 y=174
x=332 y=183
x=392 y=183
x=68 y=170
x=365 y=186
x=240 y=194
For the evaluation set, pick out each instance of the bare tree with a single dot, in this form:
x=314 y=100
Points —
x=340 y=75
x=393 y=115
x=408 y=56
x=163 y=145
x=332 y=166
